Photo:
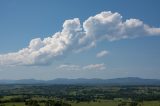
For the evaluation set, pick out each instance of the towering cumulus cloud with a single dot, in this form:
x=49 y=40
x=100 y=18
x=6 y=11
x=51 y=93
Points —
x=76 y=37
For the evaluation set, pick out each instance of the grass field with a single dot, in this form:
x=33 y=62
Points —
x=102 y=103
x=15 y=104
x=111 y=103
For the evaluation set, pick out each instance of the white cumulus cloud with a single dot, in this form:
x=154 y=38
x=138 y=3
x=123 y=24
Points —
x=75 y=37
x=40 y=52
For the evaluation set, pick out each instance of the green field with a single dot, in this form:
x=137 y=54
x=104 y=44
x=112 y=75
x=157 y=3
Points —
x=102 y=103
x=113 y=103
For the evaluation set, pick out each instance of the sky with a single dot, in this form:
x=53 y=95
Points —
x=48 y=39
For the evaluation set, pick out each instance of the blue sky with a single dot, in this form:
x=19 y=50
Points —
x=134 y=53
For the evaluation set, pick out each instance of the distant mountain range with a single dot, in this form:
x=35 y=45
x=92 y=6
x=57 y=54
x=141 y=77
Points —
x=116 y=81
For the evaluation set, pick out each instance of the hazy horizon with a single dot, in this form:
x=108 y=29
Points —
x=80 y=78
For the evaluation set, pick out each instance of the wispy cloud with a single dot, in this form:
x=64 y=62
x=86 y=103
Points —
x=95 y=67
x=75 y=37
x=69 y=67
x=72 y=67
x=102 y=53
